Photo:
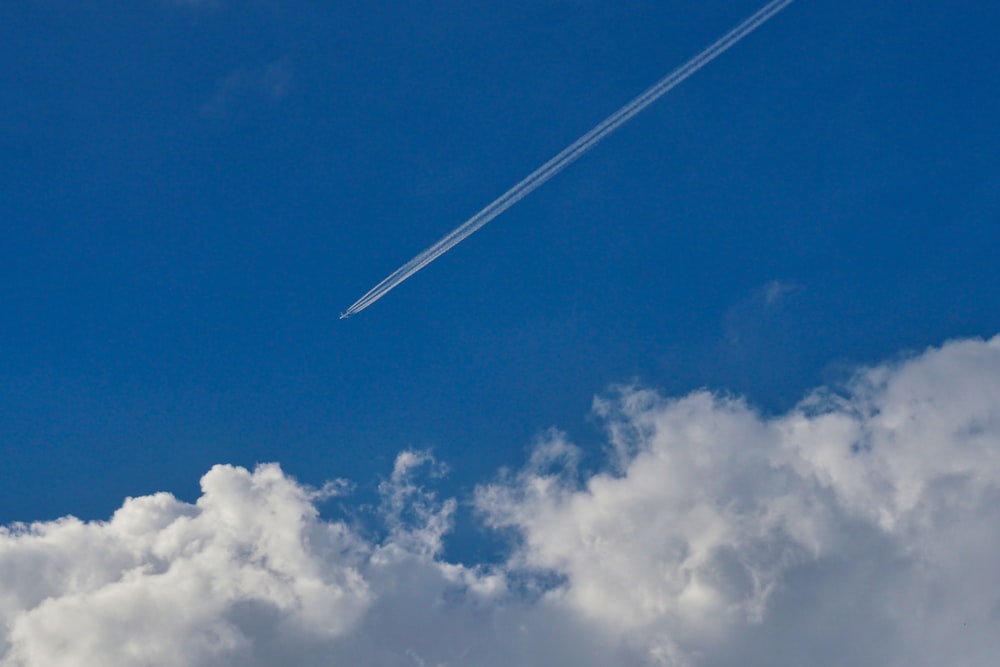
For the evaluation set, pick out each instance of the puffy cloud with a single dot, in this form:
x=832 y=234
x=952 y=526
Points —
x=228 y=580
x=862 y=527
x=721 y=536
x=251 y=575
x=686 y=538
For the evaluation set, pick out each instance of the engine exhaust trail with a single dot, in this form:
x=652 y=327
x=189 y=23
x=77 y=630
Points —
x=567 y=156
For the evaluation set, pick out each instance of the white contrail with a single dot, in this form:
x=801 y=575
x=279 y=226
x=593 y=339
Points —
x=567 y=156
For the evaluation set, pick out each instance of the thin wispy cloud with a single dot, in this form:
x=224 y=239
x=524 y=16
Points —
x=268 y=83
x=757 y=318
x=860 y=527
x=776 y=290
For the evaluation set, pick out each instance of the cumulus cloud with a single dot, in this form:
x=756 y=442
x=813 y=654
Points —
x=861 y=527
x=227 y=580
x=868 y=514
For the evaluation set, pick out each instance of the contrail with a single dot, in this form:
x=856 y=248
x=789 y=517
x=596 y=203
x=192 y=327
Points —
x=567 y=156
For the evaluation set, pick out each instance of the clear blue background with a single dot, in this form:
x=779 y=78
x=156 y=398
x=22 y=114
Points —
x=191 y=193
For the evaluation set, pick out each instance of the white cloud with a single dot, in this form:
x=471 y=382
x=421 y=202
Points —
x=245 y=569
x=863 y=527
x=719 y=528
x=687 y=539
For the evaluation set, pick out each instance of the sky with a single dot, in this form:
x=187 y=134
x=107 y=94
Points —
x=728 y=386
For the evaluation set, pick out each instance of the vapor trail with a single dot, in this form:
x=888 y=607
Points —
x=567 y=156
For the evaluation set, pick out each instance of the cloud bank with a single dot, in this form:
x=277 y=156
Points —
x=862 y=527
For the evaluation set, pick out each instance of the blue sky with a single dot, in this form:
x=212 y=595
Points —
x=191 y=192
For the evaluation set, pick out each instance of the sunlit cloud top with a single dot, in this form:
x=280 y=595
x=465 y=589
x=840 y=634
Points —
x=858 y=528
